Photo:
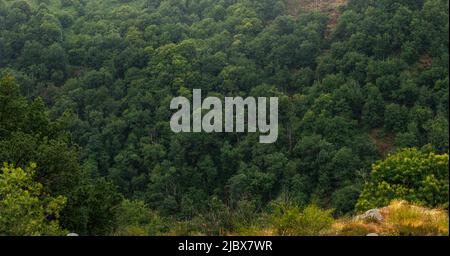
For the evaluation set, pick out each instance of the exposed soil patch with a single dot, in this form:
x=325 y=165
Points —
x=383 y=142
x=331 y=7
x=426 y=61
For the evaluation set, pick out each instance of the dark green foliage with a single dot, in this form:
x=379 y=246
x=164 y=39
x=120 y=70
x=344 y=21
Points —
x=100 y=75
x=29 y=136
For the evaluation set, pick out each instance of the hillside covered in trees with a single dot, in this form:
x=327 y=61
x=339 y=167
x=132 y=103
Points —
x=86 y=145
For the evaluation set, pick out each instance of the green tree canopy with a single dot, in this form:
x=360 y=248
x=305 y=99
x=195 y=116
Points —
x=418 y=176
x=25 y=209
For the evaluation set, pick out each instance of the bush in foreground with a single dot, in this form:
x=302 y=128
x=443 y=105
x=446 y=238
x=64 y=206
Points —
x=413 y=175
x=25 y=209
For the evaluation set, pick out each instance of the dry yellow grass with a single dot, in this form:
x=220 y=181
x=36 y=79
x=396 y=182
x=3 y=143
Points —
x=399 y=219
x=406 y=219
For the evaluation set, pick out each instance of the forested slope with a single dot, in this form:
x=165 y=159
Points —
x=86 y=88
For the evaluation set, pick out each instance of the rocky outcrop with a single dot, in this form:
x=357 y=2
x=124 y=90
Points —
x=373 y=215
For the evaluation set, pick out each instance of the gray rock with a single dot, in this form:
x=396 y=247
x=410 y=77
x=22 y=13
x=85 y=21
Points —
x=73 y=234
x=373 y=215
x=373 y=234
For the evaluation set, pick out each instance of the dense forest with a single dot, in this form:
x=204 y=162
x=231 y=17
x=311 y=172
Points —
x=86 y=85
